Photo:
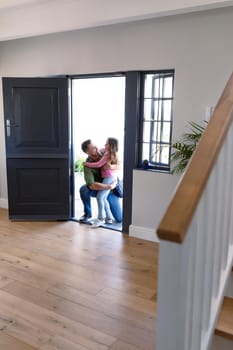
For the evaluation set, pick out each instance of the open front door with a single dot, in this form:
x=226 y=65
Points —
x=37 y=147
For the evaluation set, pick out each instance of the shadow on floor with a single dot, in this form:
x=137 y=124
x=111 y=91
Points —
x=116 y=226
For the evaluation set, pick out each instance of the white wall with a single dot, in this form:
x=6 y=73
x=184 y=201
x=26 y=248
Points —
x=198 y=46
x=151 y=194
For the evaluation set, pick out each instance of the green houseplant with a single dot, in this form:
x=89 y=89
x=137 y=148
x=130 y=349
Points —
x=183 y=149
x=78 y=165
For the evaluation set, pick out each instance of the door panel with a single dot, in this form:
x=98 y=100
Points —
x=37 y=147
x=36 y=114
x=37 y=186
x=43 y=131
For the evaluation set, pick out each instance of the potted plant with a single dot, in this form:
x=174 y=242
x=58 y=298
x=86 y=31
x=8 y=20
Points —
x=78 y=165
x=183 y=149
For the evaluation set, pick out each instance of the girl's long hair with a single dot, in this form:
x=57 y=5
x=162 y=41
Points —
x=113 y=150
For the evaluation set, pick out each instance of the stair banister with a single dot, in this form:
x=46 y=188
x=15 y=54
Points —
x=196 y=233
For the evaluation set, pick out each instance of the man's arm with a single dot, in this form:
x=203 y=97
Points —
x=95 y=185
x=98 y=186
x=100 y=162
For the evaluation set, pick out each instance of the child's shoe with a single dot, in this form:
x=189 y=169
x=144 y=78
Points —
x=97 y=223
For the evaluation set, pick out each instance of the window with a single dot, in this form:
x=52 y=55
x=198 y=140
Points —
x=157 y=106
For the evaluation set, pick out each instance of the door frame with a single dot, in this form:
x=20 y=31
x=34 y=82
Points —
x=130 y=160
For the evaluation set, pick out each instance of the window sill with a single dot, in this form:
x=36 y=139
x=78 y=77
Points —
x=163 y=171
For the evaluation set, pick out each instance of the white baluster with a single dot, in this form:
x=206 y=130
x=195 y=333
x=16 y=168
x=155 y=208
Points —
x=190 y=284
x=198 y=276
x=228 y=193
x=175 y=283
x=218 y=227
x=209 y=239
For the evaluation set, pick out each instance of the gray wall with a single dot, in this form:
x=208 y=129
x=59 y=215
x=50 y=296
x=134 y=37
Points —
x=200 y=48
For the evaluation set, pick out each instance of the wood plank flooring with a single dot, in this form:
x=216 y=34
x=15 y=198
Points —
x=224 y=326
x=67 y=286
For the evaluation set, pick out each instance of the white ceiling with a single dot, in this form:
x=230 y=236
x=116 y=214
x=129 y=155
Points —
x=25 y=18
x=4 y=4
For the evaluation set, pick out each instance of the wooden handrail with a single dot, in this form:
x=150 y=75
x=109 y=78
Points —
x=174 y=224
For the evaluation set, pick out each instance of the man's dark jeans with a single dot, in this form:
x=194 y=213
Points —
x=114 y=201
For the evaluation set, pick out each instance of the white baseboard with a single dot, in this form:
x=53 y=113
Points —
x=4 y=203
x=148 y=234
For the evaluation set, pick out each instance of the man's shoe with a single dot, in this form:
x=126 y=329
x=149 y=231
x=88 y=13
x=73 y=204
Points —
x=108 y=221
x=85 y=219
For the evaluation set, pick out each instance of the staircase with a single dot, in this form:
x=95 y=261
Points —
x=224 y=326
x=195 y=278
x=223 y=339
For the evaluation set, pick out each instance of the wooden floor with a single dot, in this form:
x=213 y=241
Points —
x=224 y=326
x=67 y=286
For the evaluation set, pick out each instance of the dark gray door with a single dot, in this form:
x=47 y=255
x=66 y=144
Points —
x=37 y=147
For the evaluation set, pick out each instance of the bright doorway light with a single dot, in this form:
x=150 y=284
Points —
x=98 y=109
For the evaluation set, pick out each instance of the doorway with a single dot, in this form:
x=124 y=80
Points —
x=98 y=112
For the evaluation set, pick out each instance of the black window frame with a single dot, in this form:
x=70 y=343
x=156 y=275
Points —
x=154 y=165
